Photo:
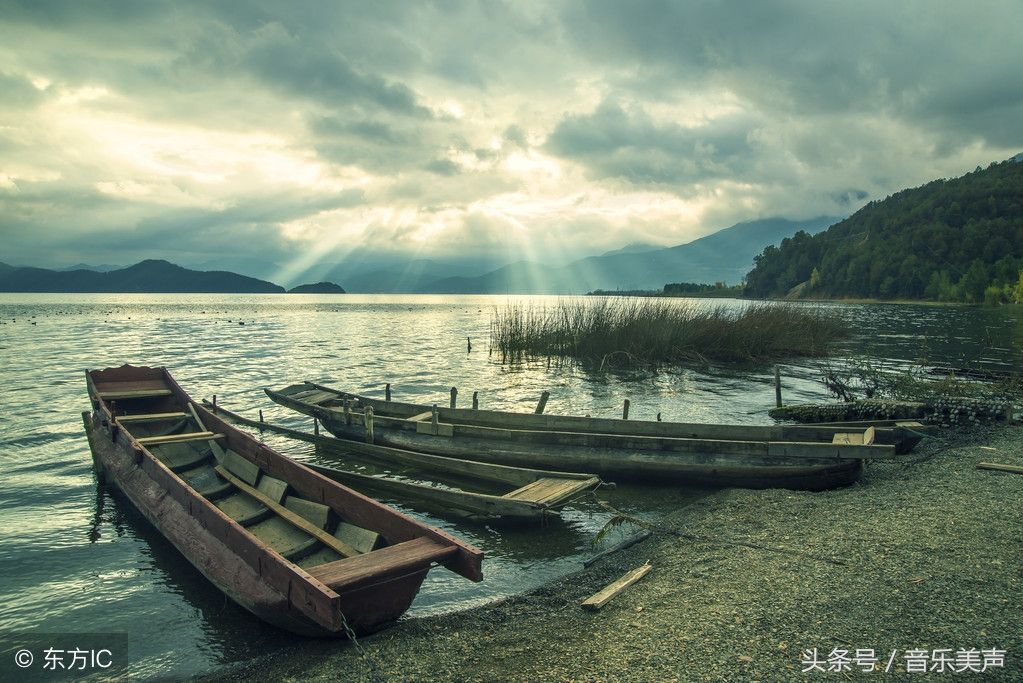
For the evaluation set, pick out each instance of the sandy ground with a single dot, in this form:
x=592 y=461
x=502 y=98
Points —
x=925 y=553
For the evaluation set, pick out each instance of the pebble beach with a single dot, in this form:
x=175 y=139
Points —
x=919 y=563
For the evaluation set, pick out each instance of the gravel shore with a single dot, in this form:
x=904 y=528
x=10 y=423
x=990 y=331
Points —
x=924 y=553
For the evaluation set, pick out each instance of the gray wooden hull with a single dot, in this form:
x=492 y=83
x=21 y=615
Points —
x=613 y=464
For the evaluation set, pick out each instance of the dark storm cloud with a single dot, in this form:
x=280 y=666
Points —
x=187 y=123
x=615 y=143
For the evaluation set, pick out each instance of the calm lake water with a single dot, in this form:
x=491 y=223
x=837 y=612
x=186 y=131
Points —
x=75 y=560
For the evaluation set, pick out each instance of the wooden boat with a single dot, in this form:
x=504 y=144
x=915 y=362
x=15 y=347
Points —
x=532 y=493
x=293 y=547
x=718 y=455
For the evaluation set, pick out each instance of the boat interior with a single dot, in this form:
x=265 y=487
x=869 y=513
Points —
x=304 y=532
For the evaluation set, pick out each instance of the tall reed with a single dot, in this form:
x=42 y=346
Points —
x=617 y=331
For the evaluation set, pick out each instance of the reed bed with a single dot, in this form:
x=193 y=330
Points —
x=615 y=331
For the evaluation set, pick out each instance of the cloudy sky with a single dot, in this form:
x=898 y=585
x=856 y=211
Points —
x=294 y=131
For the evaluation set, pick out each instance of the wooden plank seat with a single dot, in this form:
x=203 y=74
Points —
x=178 y=438
x=151 y=417
x=389 y=561
x=116 y=394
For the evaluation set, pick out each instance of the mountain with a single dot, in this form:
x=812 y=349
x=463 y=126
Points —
x=102 y=268
x=724 y=256
x=146 y=276
x=634 y=248
x=317 y=288
x=949 y=240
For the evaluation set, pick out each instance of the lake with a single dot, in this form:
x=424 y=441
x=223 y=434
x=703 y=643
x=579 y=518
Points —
x=75 y=560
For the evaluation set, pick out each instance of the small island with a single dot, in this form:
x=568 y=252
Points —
x=317 y=288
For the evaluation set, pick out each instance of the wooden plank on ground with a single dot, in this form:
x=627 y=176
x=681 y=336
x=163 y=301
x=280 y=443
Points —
x=1016 y=469
x=601 y=598
x=287 y=515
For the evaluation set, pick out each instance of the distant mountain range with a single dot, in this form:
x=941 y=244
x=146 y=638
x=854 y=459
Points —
x=147 y=276
x=724 y=256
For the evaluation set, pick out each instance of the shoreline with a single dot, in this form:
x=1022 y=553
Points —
x=921 y=553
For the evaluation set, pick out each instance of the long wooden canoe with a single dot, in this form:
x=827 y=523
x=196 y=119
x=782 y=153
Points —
x=293 y=547
x=531 y=494
x=718 y=455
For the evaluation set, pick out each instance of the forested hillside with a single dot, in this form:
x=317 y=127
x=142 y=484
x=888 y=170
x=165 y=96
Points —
x=949 y=240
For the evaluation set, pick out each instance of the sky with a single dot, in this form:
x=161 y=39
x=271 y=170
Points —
x=297 y=132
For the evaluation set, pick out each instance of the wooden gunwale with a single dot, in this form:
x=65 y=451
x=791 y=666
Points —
x=317 y=604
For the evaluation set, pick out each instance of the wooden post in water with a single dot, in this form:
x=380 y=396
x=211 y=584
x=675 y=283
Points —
x=348 y=410
x=777 y=386
x=367 y=422
x=454 y=397
x=260 y=414
x=658 y=417
x=543 y=403
x=625 y=410
x=475 y=400
x=316 y=427
x=435 y=420
x=214 y=403
x=387 y=392
x=468 y=344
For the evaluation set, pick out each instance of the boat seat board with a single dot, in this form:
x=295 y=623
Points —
x=316 y=513
x=421 y=416
x=361 y=539
x=245 y=470
x=243 y=509
x=847 y=438
x=418 y=552
x=115 y=394
x=177 y=438
x=151 y=417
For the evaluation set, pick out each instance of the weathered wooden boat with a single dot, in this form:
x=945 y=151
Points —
x=533 y=493
x=718 y=455
x=293 y=547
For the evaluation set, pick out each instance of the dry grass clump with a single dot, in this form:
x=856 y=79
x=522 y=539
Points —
x=616 y=331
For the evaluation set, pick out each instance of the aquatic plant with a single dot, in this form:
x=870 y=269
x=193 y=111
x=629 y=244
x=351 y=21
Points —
x=616 y=331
